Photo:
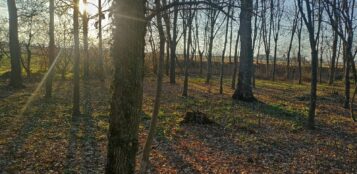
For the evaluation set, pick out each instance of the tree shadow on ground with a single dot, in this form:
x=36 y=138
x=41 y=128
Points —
x=83 y=152
x=176 y=159
x=274 y=111
x=31 y=122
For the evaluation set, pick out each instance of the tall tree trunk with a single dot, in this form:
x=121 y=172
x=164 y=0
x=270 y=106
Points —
x=15 y=49
x=168 y=39
x=257 y=60
x=209 y=58
x=152 y=130
x=293 y=30
x=29 y=55
x=223 y=54
x=235 y=69
x=275 y=50
x=231 y=37
x=321 y=56
x=76 y=95
x=244 y=87
x=333 y=59
x=85 y=42
x=186 y=40
x=349 y=64
x=100 y=41
x=127 y=86
x=212 y=18
x=309 y=20
x=51 y=50
x=279 y=13
x=299 y=51
x=173 y=47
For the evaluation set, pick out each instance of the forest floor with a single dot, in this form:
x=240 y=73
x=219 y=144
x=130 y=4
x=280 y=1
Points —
x=263 y=137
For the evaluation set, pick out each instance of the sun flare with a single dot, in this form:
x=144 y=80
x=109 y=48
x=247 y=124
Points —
x=83 y=7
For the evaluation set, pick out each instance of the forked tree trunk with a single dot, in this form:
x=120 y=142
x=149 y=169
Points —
x=309 y=21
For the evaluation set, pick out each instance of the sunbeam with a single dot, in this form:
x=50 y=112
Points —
x=38 y=88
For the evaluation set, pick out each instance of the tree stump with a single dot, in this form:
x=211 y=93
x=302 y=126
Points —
x=196 y=117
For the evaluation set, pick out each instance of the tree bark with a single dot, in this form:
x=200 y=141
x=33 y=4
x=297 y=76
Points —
x=224 y=53
x=309 y=21
x=51 y=50
x=85 y=42
x=152 y=130
x=100 y=42
x=173 y=48
x=127 y=86
x=293 y=30
x=235 y=59
x=76 y=94
x=244 y=87
x=299 y=52
x=15 y=49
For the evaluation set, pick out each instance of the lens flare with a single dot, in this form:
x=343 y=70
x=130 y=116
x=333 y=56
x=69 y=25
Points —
x=39 y=86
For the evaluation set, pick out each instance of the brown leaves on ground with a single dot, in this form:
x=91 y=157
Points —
x=263 y=137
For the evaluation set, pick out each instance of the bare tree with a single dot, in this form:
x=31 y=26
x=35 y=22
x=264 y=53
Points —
x=347 y=14
x=276 y=29
x=152 y=130
x=313 y=11
x=213 y=16
x=188 y=19
x=224 y=51
x=293 y=30
x=266 y=33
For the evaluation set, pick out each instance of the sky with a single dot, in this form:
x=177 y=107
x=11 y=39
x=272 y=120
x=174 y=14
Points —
x=282 y=44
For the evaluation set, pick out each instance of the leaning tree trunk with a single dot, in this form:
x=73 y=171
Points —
x=15 y=51
x=290 y=45
x=223 y=55
x=244 y=87
x=127 y=86
x=152 y=130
